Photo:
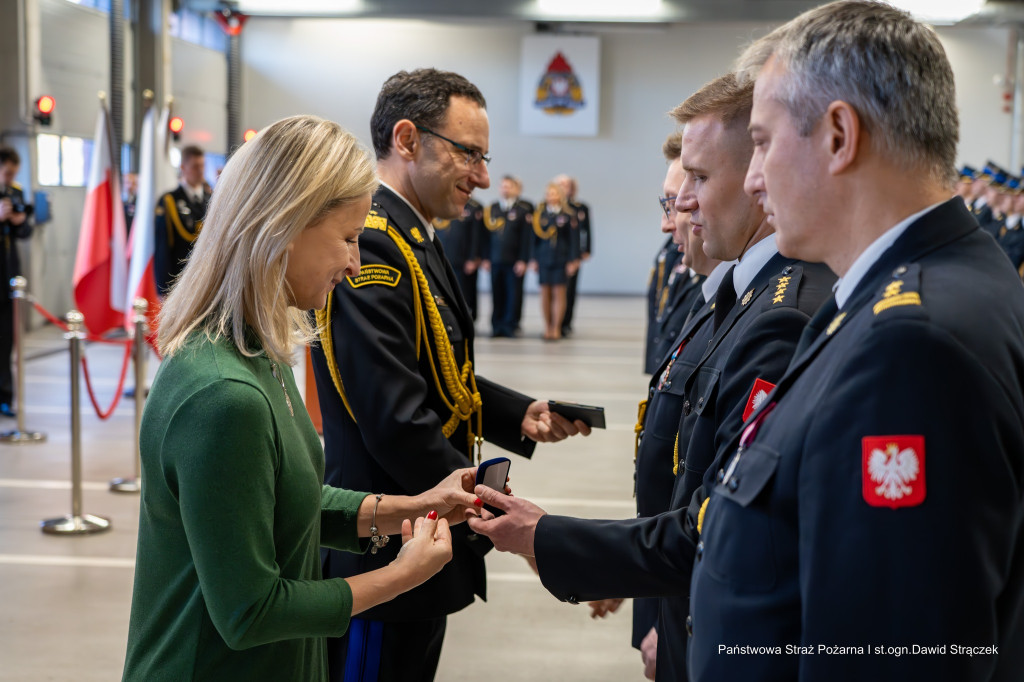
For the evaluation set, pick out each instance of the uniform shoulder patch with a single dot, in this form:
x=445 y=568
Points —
x=892 y=469
x=758 y=394
x=902 y=293
x=375 y=274
x=784 y=287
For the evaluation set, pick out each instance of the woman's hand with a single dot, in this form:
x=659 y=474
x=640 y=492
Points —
x=571 y=267
x=452 y=496
x=426 y=548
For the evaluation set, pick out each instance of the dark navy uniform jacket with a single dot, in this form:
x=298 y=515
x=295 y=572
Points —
x=879 y=503
x=556 y=237
x=393 y=441
x=586 y=236
x=677 y=300
x=179 y=219
x=668 y=256
x=507 y=236
x=657 y=441
x=653 y=557
x=461 y=236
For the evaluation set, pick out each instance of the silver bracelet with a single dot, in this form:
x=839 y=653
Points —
x=376 y=537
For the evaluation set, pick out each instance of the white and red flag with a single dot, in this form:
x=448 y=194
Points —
x=100 y=276
x=141 y=281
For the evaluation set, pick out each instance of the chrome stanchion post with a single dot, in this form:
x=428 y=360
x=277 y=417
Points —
x=134 y=485
x=20 y=435
x=77 y=523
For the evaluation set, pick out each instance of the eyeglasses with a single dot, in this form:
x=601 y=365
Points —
x=473 y=156
x=668 y=205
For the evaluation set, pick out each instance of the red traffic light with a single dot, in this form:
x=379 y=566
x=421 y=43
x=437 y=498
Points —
x=44 y=109
x=249 y=134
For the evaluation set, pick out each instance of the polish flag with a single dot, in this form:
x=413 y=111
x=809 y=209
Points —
x=100 y=276
x=141 y=281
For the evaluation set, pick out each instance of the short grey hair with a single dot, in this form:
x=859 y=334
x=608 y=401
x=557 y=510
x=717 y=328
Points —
x=890 y=68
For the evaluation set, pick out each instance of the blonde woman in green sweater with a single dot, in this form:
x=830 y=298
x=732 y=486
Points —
x=233 y=510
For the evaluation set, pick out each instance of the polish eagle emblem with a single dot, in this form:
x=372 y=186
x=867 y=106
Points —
x=759 y=398
x=893 y=470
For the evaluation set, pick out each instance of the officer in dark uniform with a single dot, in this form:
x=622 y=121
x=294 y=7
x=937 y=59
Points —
x=1011 y=237
x=821 y=527
x=461 y=238
x=505 y=249
x=760 y=309
x=581 y=213
x=817 y=524
x=15 y=223
x=555 y=255
x=521 y=281
x=664 y=263
x=394 y=369
x=179 y=217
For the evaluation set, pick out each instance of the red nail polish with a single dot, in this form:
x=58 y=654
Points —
x=478 y=502
x=432 y=515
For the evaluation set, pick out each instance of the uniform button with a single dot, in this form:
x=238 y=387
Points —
x=689 y=626
x=700 y=550
x=668 y=384
x=572 y=599
x=901 y=270
x=788 y=269
x=449 y=328
x=686 y=407
x=650 y=392
x=721 y=475
x=700 y=402
x=734 y=483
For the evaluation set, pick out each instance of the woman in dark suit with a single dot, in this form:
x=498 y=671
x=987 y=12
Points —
x=556 y=256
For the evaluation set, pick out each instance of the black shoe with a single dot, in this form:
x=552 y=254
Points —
x=566 y=331
x=7 y=411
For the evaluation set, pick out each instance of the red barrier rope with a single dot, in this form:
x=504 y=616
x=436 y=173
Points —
x=120 y=385
x=100 y=412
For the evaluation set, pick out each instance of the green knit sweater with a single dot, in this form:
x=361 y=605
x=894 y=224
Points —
x=233 y=514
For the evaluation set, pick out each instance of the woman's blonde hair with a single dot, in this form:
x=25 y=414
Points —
x=287 y=178
x=563 y=200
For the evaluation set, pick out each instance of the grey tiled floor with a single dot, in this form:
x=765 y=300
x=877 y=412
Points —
x=64 y=601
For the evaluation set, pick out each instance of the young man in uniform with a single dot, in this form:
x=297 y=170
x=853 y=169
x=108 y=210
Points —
x=179 y=218
x=505 y=250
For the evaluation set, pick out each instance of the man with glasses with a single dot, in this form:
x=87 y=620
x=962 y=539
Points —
x=402 y=407
x=681 y=286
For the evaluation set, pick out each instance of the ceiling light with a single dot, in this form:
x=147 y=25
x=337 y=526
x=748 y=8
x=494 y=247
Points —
x=939 y=11
x=601 y=8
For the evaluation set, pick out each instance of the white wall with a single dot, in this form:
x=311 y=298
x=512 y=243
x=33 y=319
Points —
x=334 y=68
x=74 y=66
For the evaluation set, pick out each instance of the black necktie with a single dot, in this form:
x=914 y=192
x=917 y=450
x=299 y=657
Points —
x=725 y=299
x=825 y=313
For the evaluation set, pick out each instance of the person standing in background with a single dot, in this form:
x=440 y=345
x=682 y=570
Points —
x=179 y=218
x=555 y=256
x=581 y=216
x=461 y=239
x=505 y=249
x=15 y=224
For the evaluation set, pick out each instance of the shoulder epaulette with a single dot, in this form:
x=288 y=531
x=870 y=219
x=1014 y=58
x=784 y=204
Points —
x=901 y=295
x=784 y=287
x=16 y=186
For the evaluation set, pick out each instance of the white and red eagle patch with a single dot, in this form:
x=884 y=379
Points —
x=758 y=394
x=892 y=469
